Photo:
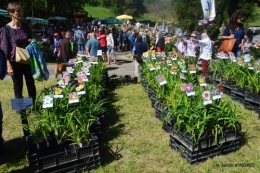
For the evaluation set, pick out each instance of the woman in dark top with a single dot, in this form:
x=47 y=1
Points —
x=22 y=35
x=235 y=29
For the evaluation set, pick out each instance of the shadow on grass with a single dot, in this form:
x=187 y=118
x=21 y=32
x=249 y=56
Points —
x=14 y=153
x=113 y=129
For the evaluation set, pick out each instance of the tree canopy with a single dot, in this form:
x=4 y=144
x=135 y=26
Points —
x=189 y=12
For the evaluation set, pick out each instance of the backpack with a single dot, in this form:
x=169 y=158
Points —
x=3 y=66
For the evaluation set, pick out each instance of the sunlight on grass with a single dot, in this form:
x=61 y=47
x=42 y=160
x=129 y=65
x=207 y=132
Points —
x=141 y=142
x=146 y=146
x=98 y=12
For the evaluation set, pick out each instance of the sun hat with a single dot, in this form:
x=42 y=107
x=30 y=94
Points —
x=56 y=35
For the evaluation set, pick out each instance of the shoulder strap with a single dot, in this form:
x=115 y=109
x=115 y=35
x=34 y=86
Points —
x=7 y=27
x=230 y=31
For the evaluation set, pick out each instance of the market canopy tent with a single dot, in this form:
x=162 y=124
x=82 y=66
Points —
x=56 y=18
x=124 y=17
x=108 y=21
x=4 y=13
x=36 y=20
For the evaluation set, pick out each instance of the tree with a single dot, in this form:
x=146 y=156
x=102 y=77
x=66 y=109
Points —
x=189 y=12
x=129 y=7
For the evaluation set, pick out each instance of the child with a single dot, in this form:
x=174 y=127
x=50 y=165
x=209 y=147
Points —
x=182 y=47
x=246 y=49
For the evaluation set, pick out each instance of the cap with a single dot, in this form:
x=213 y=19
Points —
x=78 y=27
x=56 y=35
x=193 y=35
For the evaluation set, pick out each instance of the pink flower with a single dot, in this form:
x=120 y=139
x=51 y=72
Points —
x=189 y=87
x=206 y=95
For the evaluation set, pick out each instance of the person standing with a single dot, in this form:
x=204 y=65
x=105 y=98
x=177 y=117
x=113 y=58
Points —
x=148 y=39
x=93 y=45
x=205 y=55
x=65 y=48
x=22 y=35
x=56 y=50
x=110 y=45
x=2 y=75
x=101 y=36
x=160 y=42
x=235 y=29
x=138 y=49
x=79 y=39
x=191 y=45
x=115 y=37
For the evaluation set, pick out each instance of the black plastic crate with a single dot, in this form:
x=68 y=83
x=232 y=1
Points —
x=159 y=106
x=168 y=125
x=238 y=98
x=226 y=89
x=254 y=98
x=205 y=141
x=158 y=115
x=203 y=155
x=251 y=105
x=237 y=90
x=227 y=82
x=79 y=166
x=43 y=159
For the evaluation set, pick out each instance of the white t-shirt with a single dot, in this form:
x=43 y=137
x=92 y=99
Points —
x=110 y=40
x=205 y=48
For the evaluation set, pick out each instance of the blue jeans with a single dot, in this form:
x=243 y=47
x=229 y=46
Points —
x=81 y=47
x=237 y=52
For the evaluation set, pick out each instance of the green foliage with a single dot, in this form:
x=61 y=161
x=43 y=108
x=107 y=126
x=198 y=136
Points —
x=189 y=12
x=47 y=8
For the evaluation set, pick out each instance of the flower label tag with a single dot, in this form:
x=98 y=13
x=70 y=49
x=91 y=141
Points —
x=99 y=53
x=83 y=76
x=58 y=92
x=86 y=71
x=47 y=101
x=169 y=62
x=69 y=69
x=65 y=73
x=73 y=97
x=206 y=98
x=161 y=79
x=80 y=89
x=182 y=76
x=61 y=83
x=215 y=93
x=189 y=90
x=202 y=81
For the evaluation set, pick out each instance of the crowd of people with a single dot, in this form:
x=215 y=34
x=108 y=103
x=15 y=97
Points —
x=83 y=39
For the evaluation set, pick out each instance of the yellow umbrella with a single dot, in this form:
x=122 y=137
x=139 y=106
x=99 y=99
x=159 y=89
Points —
x=124 y=17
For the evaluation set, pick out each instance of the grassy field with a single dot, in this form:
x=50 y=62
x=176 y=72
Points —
x=98 y=12
x=256 y=20
x=133 y=140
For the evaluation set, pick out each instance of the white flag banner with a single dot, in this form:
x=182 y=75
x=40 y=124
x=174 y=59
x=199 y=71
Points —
x=209 y=10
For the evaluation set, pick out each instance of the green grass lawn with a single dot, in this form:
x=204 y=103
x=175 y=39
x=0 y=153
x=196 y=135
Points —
x=133 y=140
x=98 y=12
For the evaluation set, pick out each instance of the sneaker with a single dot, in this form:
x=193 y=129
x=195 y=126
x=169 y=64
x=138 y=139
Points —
x=108 y=63
x=114 y=61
